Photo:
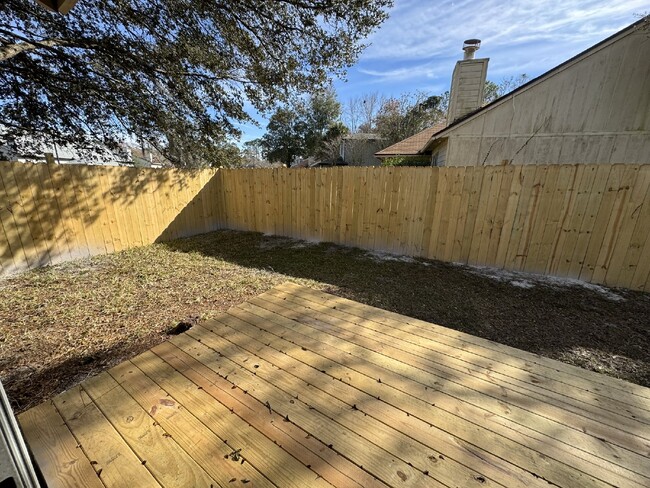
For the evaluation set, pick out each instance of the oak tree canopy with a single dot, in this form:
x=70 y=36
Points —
x=179 y=74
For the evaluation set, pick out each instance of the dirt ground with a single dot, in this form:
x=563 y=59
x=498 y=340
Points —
x=61 y=324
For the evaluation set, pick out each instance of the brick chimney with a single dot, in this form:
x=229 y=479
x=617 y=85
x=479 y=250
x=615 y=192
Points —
x=467 y=82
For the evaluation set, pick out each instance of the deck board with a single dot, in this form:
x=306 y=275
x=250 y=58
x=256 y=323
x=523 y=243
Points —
x=298 y=388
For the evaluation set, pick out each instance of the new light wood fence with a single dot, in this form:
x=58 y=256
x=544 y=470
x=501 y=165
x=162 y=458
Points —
x=54 y=213
x=590 y=222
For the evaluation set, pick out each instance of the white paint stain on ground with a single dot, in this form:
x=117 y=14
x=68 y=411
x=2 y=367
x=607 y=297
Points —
x=517 y=279
x=528 y=280
x=384 y=256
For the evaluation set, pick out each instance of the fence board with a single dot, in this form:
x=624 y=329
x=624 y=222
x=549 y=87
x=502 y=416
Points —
x=54 y=213
x=586 y=221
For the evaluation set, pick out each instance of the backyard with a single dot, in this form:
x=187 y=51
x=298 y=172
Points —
x=61 y=324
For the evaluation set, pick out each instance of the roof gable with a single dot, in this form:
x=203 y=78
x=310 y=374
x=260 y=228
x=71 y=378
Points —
x=536 y=81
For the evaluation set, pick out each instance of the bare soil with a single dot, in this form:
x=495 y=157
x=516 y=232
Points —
x=61 y=324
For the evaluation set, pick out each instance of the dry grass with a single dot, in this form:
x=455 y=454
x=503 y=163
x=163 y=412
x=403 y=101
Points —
x=60 y=324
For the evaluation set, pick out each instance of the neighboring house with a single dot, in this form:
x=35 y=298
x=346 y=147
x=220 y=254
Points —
x=262 y=163
x=465 y=96
x=411 y=147
x=359 y=149
x=593 y=108
x=302 y=162
x=147 y=157
x=29 y=150
x=33 y=150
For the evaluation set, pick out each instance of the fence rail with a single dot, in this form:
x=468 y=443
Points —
x=590 y=222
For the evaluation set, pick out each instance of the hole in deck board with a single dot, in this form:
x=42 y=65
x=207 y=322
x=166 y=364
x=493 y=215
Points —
x=182 y=326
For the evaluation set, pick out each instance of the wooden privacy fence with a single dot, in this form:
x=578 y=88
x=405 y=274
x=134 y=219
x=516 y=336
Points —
x=589 y=222
x=53 y=213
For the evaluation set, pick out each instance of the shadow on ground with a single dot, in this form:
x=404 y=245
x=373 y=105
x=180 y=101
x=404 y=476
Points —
x=599 y=329
x=63 y=323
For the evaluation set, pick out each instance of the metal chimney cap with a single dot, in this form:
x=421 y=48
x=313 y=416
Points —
x=470 y=46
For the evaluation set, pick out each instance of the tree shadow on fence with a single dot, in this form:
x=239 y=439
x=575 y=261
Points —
x=55 y=213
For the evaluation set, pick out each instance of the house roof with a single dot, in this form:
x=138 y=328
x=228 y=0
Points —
x=411 y=146
x=566 y=64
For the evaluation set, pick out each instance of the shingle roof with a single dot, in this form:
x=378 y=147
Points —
x=411 y=146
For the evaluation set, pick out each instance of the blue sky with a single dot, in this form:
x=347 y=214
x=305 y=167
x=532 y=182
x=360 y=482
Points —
x=419 y=44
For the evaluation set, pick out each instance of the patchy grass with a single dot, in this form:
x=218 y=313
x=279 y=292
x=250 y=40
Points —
x=61 y=324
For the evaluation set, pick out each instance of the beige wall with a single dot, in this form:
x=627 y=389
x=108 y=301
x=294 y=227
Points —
x=592 y=110
x=467 y=86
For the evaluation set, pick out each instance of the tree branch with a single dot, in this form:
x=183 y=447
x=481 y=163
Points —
x=8 y=51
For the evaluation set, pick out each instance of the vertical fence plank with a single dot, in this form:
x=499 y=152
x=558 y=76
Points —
x=419 y=197
x=512 y=193
x=117 y=226
x=436 y=217
x=526 y=212
x=573 y=176
x=570 y=231
x=88 y=213
x=32 y=233
x=61 y=233
x=362 y=204
x=485 y=218
x=639 y=217
x=453 y=212
x=472 y=211
x=79 y=245
x=12 y=252
x=595 y=197
x=461 y=220
x=380 y=241
x=615 y=229
x=606 y=221
x=562 y=194
x=545 y=202
x=499 y=214
x=616 y=264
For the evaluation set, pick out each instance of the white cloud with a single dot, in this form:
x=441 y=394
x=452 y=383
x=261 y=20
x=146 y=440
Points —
x=418 y=46
x=427 y=70
x=423 y=29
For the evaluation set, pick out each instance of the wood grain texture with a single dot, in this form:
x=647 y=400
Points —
x=297 y=387
x=55 y=213
x=57 y=453
x=578 y=221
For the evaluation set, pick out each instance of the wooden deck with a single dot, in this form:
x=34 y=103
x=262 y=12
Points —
x=298 y=388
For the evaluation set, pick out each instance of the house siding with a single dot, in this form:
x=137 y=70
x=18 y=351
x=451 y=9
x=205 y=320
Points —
x=439 y=153
x=595 y=109
x=357 y=152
